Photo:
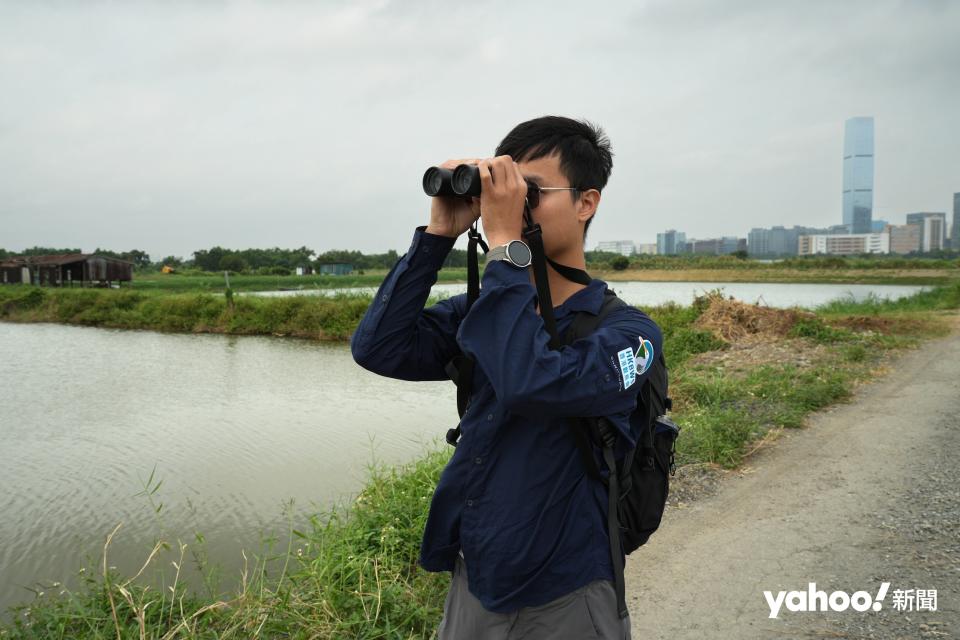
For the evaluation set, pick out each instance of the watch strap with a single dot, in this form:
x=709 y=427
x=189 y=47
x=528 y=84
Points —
x=497 y=253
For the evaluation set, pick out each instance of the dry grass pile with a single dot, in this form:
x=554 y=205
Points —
x=732 y=320
x=745 y=355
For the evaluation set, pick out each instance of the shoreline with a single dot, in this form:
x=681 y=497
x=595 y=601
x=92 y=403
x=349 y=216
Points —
x=320 y=318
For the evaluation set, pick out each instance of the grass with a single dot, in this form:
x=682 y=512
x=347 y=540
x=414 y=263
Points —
x=317 y=317
x=352 y=572
x=349 y=573
x=215 y=282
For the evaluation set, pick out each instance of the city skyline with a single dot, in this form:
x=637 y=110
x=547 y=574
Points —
x=934 y=231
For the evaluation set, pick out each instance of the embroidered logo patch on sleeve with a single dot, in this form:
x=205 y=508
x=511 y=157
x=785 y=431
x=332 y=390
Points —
x=628 y=367
x=644 y=357
x=635 y=364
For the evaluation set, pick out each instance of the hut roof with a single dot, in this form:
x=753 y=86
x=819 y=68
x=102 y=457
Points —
x=56 y=260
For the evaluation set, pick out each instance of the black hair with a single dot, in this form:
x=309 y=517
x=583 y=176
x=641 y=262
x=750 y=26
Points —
x=585 y=155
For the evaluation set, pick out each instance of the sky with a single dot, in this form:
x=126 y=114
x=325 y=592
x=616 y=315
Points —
x=176 y=126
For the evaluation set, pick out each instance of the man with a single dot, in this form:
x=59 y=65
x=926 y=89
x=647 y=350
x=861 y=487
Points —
x=515 y=517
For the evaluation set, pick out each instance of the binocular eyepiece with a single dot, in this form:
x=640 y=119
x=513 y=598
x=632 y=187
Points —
x=464 y=180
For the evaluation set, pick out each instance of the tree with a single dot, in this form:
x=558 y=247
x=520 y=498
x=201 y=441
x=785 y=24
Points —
x=232 y=262
x=46 y=251
x=209 y=259
x=620 y=263
x=456 y=259
x=140 y=259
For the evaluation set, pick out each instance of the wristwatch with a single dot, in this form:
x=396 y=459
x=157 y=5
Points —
x=515 y=252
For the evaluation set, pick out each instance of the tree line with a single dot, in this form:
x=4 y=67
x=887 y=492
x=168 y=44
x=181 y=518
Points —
x=274 y=260
x=283 y=261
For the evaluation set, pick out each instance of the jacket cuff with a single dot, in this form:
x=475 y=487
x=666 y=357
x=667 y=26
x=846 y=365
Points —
x=428 y=249
x=499 y=273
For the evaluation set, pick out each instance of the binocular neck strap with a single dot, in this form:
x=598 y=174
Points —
x=570 y=273
x=473 y=268
x=534 y=238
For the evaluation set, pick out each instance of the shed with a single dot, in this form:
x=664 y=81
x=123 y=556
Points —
x=335 y=268
x=65 y=270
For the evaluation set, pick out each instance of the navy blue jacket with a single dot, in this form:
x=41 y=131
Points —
x=515 y=496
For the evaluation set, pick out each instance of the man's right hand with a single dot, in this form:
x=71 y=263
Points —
x=452 y=215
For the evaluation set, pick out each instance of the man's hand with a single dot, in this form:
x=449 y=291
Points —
x=502 y=195
x=452 y=215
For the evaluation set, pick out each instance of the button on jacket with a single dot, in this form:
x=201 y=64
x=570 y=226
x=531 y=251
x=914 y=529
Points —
x=515 y=496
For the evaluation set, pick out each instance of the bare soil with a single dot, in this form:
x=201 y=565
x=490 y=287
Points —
x=866 y=493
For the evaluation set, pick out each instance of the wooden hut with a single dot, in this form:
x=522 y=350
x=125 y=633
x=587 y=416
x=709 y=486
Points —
x=80 y=269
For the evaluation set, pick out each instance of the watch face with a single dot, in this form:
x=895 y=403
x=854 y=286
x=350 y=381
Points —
x=519 y=253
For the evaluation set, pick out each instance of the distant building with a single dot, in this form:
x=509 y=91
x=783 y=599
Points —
x=841 y=245
x=933 y=229
x=955 y=236
x=647 y=249
x=715 y=246
x=623 y=247
x=904 y=238
x=877 y=226
x=671 y=242
x=777 y=241
x=858 y=174
x=335 y=269
x=81 y=269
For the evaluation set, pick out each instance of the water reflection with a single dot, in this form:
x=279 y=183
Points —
x=234 y=426
x=648 y=294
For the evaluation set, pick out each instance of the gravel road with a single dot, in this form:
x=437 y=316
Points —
x=868 y=492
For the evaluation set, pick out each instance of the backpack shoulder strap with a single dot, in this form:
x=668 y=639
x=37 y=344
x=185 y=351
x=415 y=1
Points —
x=585 y=323
x=588 y=430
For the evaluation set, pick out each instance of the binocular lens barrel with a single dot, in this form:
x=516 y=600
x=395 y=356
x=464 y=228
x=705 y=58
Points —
x=436 y=182
x=464 y=180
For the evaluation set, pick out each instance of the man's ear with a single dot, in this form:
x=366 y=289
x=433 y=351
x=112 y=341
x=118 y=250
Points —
x=588 y=203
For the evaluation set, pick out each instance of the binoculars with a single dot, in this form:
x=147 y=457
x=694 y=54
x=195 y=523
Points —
x=464 y=180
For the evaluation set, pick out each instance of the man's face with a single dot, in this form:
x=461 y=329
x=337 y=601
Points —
x=561 y=217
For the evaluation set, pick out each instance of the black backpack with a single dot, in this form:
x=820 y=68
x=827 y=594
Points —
x=638 y=488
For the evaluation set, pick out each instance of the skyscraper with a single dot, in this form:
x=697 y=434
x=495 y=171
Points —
x=671 y=242
x=933 y=229
x=858 y=174
x=955 y=238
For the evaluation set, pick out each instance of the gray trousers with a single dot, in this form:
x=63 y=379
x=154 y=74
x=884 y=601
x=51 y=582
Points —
x=589 y=613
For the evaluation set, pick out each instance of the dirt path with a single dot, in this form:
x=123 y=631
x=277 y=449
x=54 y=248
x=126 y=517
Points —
x=868 y=492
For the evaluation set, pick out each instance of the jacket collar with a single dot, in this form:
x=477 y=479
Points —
x=590 y=298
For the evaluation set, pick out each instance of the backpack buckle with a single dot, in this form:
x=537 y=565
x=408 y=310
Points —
x=608 y=435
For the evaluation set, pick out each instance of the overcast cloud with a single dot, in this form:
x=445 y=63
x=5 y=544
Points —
x=175 y=126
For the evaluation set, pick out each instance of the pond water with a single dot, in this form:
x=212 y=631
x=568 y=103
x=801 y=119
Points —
x=648 y=294
x=234 y=427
